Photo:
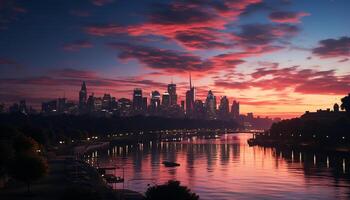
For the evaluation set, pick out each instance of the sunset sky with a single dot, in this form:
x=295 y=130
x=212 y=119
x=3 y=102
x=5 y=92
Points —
x=277 y=57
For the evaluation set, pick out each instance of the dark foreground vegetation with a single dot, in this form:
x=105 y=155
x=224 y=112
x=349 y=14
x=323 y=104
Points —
x=329 y=130
x=29 y=170
x=46 y=129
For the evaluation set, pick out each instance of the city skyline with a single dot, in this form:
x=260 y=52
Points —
x=273 y=56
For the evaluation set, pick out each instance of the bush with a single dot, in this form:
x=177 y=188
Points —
x=28 y=168
x=170 y=191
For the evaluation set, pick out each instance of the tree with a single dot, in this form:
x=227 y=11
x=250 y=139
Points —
x=24 y=144
x=170 y=191
x=345 y=103
x=28 y=168
x=6 y=155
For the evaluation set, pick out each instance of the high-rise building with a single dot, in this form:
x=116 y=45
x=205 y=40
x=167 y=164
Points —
x=183 y=106
x=166 y=99
x=82 y=98
x=137 y=100
x=144 y=104
x=98 y=104
x=124 y=107
x=235 y=109
x=224 y=108
x=61 y=106
x=190 y=98
x=49 y=106
x=155 y=102
x=210 y=105
x=91 y=103
x=23 y=107
x=199 y=110
x=106 y=102
x=172 y=94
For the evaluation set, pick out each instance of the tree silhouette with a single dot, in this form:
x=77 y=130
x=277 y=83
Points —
x=28 y=168
x=345 y=103
x=24 y=144
x=170 y=191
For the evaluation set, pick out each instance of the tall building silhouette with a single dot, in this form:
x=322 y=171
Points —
x=190 y=98
x=166 y=99
x=82 y=98
x=155 y=102
x=61 y=107
x=224 y=108
x=235 y=109
x=137 y=100
x=172 y=94
x=210 y=105
x=199 y=110
x=106 y=102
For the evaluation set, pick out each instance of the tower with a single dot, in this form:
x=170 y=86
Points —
x=172 y=94
x=137 y=100
x=190 y=98
x=210 y=105
x=82 y=98
x=235 y=109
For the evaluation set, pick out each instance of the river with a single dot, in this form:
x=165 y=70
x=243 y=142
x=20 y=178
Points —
x=226 y=168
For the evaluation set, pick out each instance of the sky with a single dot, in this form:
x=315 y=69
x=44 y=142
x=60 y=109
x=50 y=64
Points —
x=278 y=58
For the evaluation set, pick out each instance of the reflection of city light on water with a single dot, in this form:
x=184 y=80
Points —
x=300 y=157
x=314 y=159
x=292 y=156
x=327 y=162
x=344 y=166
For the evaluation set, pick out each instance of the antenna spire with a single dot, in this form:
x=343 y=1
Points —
x=190 y=81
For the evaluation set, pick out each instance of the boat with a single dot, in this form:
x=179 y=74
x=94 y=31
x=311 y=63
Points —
x=170 y=164
x=113 y=179
x=251 y=142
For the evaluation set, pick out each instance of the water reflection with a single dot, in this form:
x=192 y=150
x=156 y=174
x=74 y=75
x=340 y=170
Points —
x=227 y=168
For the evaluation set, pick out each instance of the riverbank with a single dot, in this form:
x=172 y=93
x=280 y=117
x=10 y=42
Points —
x=68 y=179
x=302 y=145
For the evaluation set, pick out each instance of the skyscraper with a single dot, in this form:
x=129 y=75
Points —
x=224 y=108
x=190 y=98
x=61 y=107
x=155 y=102
x=137 y=100
x=144 y=104
x=172 y=94
x=199 y=110
x=82 y=98
x=166 y=99
x=210 y=105
x=23 y=107
x=235 y=109
x=106 y=102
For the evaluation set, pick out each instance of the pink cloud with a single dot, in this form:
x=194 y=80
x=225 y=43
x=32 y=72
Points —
x=331 y=48
x=194 y=25
x=304 y=81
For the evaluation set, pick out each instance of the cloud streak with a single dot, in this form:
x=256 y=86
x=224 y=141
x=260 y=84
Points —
x=330 y=48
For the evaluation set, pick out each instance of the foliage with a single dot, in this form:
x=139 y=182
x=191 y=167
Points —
x=28 y=168
x=170 y=191
x=77 y=192
x=23 y=144
x=6 y=155
x=345 y=103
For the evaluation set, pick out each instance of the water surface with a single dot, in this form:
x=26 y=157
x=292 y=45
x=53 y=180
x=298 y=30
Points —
x=227 y=168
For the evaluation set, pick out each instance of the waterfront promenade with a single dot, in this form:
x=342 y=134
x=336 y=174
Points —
x=68 y=179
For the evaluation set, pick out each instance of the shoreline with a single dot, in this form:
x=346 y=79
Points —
x=302 y=145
